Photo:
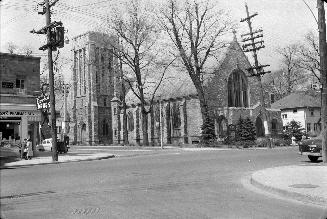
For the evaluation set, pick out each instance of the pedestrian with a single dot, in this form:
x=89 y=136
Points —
x=24 y=149
x=29 y=145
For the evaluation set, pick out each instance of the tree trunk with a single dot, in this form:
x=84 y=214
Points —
x=203 y=101
x=152 y=127
x=125 y=131
x=145 y=127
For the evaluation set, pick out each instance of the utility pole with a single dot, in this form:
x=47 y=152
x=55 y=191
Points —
x=51 y=84
x=252 y=43
x=323 y=74
x=55 y=38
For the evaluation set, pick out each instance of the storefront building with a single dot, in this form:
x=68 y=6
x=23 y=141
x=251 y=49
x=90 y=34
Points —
x=19 y=86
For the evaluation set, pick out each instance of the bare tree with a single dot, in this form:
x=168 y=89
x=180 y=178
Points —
x=11 y=47
x=196 y=30
x=27 y=50
x=60 y=62
x=138 y=51
x=308 y=55
x=291 y=75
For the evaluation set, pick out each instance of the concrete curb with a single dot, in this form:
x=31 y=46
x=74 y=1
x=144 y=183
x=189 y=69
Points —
x=58 y=162
x=289 y=194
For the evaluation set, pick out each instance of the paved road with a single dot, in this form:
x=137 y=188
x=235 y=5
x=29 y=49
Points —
x=173 y=184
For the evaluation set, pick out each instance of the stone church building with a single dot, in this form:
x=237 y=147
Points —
x=92 y=89
x=96 y=117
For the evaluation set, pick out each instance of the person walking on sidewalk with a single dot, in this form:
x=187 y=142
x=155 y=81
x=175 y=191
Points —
x=23 y=149
x=29 y=149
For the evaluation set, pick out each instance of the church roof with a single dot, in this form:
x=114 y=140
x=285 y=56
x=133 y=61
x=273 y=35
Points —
x=297 y=100
x=176 y=83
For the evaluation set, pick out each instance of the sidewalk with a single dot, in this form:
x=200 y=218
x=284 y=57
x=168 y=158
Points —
x=46 y=158
x=306 y=182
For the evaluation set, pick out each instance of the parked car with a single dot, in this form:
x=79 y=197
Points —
x=46 y=145
x=311 y=148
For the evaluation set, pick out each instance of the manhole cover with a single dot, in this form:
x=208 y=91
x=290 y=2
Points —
x=86 y=211
x=304 y=186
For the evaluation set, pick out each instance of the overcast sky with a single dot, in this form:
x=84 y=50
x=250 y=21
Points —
x=283 y=21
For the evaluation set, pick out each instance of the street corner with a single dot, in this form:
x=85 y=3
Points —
x=305 y=183
x=62 y=158
x=8 y=155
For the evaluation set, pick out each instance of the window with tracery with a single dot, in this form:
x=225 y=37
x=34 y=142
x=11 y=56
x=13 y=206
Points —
x=176 y=115
x=105 y=128
x=102 y=65
x=237 y=90
x=130 y=121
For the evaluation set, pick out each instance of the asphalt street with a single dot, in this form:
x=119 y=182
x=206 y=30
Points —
x=168 y=184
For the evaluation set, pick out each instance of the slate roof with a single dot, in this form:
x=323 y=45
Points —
x=297 y=100
x=176 y=83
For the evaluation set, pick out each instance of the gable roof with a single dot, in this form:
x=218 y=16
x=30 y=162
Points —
x=297 y=100
x=177 y=83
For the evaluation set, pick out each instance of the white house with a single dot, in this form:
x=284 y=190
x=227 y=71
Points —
x=301 y=107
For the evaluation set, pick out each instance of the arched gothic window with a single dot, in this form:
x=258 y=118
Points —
x=105 y=128
x=176 y=115
x=102 y=64
x=130 y=121
x=237 y=90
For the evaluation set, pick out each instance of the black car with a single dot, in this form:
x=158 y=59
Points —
x=311 y=147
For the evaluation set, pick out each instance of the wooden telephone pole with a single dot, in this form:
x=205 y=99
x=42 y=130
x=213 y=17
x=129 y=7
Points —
x=252 y=43
x=323 y=74
x=55 y=38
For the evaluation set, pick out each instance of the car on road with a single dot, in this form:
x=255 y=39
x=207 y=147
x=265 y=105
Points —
x=46 y=145
x=311 y=147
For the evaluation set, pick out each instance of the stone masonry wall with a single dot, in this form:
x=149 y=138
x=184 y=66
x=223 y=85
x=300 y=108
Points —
x=93 y=85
